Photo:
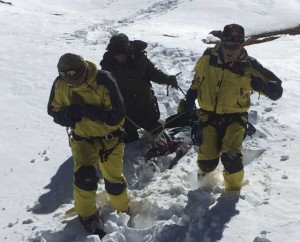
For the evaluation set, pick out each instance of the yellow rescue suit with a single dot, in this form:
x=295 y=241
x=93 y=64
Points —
x=96 y=138
x=223 y=94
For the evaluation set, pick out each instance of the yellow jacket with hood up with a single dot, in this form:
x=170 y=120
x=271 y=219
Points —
x=99 y=90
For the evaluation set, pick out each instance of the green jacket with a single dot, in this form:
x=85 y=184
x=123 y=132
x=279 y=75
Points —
x=224 y=89
x=134 y=78
x=100 y=92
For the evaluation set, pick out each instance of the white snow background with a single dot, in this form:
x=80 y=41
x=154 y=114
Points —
x=168 y=205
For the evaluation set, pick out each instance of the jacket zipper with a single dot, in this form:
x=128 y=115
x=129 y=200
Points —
x=219 y=86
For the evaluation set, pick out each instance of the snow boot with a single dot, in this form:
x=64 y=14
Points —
x=93 y=224
x=234 y=181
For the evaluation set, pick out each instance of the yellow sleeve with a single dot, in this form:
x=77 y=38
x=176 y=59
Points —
x=198 y=75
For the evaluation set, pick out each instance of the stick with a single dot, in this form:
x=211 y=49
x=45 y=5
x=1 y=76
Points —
x=9 y=3
x=258 y=38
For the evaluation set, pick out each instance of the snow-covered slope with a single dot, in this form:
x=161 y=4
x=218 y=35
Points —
x=169 y=205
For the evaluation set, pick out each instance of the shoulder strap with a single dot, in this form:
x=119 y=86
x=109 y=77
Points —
x=106 y=79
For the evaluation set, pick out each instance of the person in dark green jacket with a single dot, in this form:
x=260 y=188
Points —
x=128 y=62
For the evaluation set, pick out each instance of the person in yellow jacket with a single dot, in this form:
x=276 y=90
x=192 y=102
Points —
x=89 y=102
x=224 y=78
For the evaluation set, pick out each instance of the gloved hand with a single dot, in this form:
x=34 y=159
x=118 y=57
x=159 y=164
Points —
x=190 y=106
x=76 y=98
x=258 y=84
x=92 y=112
x=73 y=114
x=273 y=90
x=172 y=81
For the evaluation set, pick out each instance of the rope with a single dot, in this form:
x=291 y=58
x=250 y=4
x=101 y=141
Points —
x=137 y=126
x=130 y=120
x=251 y=68
x=161 y=126
x=171 y=120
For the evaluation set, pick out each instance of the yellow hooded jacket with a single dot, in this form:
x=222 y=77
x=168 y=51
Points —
x=101 y=91
x=224 y=89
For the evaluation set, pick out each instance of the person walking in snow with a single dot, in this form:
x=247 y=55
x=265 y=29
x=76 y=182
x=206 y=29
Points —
x=224 y=78
x=128 y=62
x=89 y=102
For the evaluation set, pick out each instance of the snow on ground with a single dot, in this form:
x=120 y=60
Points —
x=168 y=205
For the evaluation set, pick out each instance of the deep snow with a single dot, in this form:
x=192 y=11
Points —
x=168 y=205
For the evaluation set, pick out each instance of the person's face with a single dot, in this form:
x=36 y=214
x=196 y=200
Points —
x=121 y=58
x=79 y=81
x=231 y=51
x=73 y=77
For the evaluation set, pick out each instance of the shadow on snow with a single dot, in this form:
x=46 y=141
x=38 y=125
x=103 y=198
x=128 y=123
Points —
x=60 y=190
x=204 y=219
x=201 y=222
x=73 y=231
x=61 y=185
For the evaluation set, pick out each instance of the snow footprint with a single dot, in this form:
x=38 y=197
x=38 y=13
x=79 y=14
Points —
x=262 y=237
x=43 y=155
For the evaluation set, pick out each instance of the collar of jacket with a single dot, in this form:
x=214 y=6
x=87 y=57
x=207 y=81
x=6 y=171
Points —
x=91 y=77
x=109 y=60
x=217 y=60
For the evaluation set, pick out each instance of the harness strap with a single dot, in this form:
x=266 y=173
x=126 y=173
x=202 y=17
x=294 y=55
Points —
x=70 y=137
x=103 y=152
x=115 y=134
x=221 y=121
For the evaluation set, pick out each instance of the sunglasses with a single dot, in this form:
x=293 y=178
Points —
x=71 y=75
x=231 y=47
x=238 y=38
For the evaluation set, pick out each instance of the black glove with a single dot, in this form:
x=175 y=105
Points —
x=73 y=114
x=258 y=84
x=68 y=116
x=172 y=81
x=92 y=112
x=190 y=106
x=273 y=90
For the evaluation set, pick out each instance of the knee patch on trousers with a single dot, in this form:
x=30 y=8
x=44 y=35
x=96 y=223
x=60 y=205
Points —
x=232 y=162
x=208 y=165
x=86 y=178
x=115 y=188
